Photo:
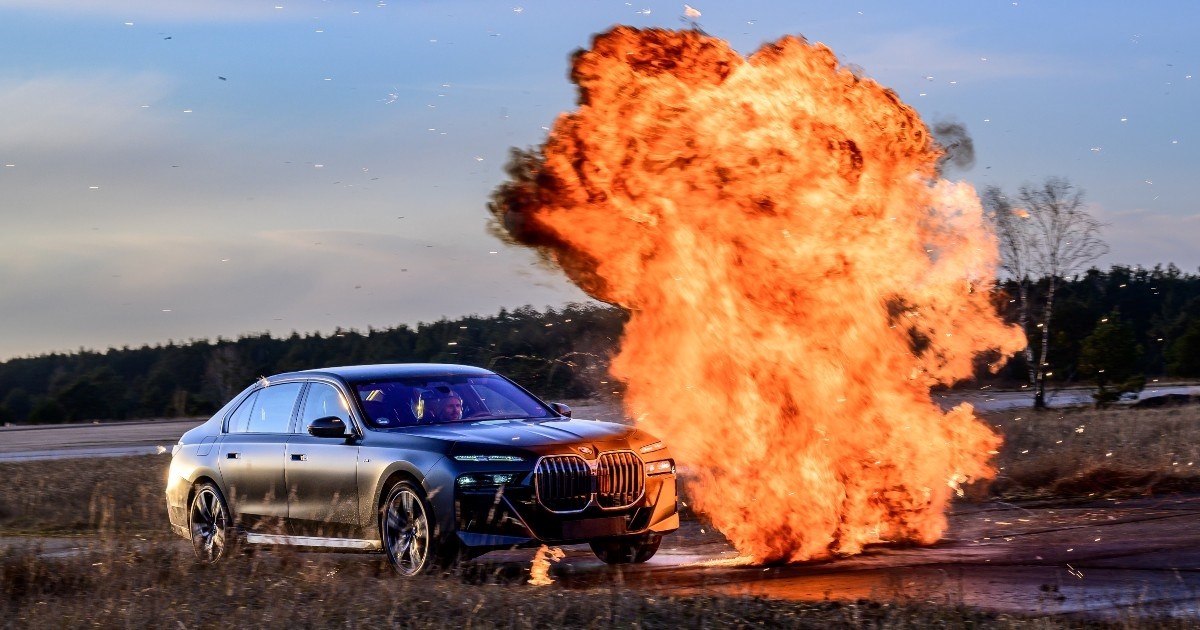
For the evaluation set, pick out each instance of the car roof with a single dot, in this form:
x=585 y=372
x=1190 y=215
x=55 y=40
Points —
x=355 y=373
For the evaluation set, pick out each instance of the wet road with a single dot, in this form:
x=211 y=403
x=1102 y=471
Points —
x=1114 y=559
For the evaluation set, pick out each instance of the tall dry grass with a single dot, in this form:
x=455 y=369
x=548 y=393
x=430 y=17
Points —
x=85 y=496
x=1087 y=452
x=156 y=585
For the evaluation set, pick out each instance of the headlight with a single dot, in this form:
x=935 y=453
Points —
x=661 y=467
x=480 y=480
x=489 y=458
x=650 y=448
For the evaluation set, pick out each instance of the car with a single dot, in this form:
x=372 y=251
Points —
x=428 y=464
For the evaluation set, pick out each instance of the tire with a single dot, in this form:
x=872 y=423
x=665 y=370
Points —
x=406 y=531
x=210 y=524
x=626 y=550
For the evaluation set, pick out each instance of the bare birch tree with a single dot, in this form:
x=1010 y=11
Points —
x=1015 y=241
x=1049 y=235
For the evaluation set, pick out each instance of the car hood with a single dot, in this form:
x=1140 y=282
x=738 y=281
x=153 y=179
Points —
x=524 y=433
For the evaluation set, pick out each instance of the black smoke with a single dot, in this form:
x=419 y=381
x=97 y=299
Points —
x=957 y=144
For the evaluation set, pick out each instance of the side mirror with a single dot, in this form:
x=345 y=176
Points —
x=561 y=409
x=327 y=427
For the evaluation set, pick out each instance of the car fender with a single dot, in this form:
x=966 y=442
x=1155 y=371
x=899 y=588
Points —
x=379 y=475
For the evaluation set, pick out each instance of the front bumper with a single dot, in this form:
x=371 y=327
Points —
x=510 y=516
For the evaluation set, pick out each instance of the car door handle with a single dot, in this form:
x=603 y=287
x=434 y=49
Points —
x=299 y=458
x=232 y=455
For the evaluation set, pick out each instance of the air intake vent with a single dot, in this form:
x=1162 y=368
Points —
x=563 y=483
x=620 y=480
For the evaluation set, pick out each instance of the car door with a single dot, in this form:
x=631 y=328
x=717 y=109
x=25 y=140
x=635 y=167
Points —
x=251 y=457
x=322 y=473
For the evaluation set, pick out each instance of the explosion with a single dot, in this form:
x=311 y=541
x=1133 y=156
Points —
x=797 y=279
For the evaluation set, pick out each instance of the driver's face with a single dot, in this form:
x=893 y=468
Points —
x=451 y=409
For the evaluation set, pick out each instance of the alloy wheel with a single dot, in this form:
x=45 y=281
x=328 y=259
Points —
x=209 y=523
x=406 y=535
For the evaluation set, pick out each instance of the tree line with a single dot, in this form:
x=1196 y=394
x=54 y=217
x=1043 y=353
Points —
x=557 y=353
x=1114 y=329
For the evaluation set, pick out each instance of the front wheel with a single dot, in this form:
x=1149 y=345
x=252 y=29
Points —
x=210 y=524
x=406 y=531
x=626 y=550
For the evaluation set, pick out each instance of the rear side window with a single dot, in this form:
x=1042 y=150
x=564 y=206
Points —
x=239 y=422
x=272 y=411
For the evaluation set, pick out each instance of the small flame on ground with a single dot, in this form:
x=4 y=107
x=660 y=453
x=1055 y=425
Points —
x=739 y=561
x=797 y=278
x=539 y=571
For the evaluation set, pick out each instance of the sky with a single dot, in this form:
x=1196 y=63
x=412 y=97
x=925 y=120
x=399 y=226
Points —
x=179 y=170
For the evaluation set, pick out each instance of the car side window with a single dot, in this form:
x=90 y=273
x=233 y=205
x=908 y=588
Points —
x=239 y=422
x=273 y=411
x=323 y=400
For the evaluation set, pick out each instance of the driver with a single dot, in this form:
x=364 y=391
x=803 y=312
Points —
x=447 y=408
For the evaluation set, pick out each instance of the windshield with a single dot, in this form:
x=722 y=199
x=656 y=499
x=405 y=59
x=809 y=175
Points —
x=440 y=399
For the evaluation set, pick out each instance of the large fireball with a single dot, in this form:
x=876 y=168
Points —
x=797 y=279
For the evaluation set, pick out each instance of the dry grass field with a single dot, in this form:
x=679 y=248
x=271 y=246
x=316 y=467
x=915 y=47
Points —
x=1085 y=452
x=134 y=573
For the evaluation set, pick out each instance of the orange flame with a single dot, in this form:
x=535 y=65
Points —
x=539 y=569
x=797 y=279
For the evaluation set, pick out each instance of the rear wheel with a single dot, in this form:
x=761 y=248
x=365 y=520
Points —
x=405 y=527
x=210 y=524
x=626 y=550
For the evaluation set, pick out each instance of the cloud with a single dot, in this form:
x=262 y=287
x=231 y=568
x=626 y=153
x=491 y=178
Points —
x=1147 y=238
x=108 y=290
x=936 y=53
x=78 y=111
